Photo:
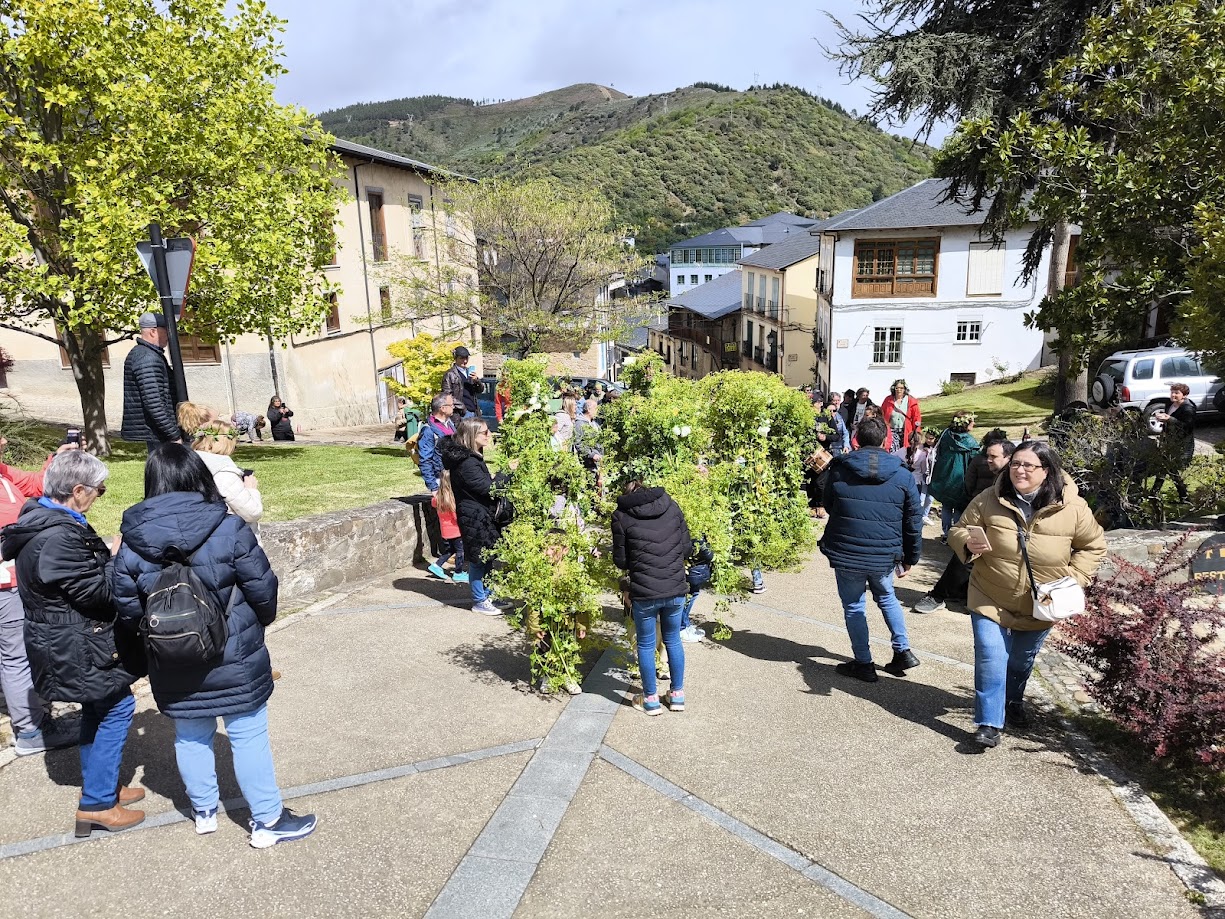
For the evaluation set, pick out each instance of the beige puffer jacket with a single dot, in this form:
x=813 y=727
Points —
x=1063 y=539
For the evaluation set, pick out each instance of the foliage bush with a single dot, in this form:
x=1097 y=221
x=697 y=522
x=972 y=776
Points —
x=952 y=387
x=426 y=359
x=1155 y=645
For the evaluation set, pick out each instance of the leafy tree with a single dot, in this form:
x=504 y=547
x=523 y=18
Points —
x=940 y=60
x=1144 y=182
x=117 y=113
x=541 y=254
x=426 y=360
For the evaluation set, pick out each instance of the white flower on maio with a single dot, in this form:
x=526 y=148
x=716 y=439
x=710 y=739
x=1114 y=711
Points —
x=628 y=362
x=740 y=461
x=685 y=431
x=676 y=430
x=763 y=430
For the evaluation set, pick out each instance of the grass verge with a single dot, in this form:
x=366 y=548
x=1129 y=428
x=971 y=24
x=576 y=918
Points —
x=1190 y=795
x=1011 y=406
x=295 y=481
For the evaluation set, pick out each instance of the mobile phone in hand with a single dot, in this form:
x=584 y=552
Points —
x=248 y=472
x=979 y=536
x=73 y=436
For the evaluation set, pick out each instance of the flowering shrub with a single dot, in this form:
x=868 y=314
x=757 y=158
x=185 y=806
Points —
x=1156 y=645
x=426 y=359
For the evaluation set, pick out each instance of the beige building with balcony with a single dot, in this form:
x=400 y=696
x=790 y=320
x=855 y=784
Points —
x=779 y=309
x=332 y=377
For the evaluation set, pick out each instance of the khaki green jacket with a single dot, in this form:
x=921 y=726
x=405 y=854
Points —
x=1063 y=539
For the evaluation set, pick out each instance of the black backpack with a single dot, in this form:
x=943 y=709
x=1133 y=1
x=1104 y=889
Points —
x=184 y=626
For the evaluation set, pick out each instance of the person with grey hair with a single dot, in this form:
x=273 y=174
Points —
x=149 y=398
x=78 y=651
x=34 y=731
x=587 y=436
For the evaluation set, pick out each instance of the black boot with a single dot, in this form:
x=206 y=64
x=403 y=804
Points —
x=865 y=672
x=987 y=736
x=902 y=661
x=1016 y=717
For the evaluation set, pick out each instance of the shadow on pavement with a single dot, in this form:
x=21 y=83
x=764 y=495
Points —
x=446 y=593
x=150 y=744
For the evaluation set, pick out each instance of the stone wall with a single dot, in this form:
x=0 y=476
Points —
x=320 y=553
x=1141 y=547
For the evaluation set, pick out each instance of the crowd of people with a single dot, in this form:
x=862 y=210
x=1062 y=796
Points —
x=1011 y=514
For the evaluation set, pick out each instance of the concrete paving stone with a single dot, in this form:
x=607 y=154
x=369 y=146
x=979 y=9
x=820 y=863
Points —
x=521 y=828
x=381 y=850
x=878 y=783
x=579 y=730
x=554 y=773
x=624 y=850
x=482 y=888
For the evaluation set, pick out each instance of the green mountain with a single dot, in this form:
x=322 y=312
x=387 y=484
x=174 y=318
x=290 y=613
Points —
x=674 y=164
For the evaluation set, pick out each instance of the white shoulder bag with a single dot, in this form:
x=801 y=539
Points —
x=1056 y=600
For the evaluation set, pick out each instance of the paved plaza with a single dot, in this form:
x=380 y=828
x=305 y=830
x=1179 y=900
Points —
x=445 y=788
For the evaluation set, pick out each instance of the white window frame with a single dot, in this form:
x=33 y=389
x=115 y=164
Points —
x=887 y=329
x=969 y=335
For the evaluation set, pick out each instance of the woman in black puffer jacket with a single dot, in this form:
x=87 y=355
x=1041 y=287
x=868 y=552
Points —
x=184 y=517
x=78 y=651
x=278 y=418
x=651 y=541
x=463 y=457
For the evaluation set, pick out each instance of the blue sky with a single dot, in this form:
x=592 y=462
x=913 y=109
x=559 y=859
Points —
x=340 y=53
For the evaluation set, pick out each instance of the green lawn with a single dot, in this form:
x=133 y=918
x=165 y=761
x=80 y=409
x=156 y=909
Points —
x=295 y=481
x=1011 y=406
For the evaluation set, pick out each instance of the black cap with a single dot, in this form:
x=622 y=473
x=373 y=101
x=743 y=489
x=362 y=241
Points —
x=460 y=352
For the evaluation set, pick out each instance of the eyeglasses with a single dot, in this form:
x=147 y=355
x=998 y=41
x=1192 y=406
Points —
x=1028 y=467
x=101 y=489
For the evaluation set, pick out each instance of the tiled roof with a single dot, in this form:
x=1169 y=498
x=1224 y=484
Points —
x=917 y=206
x=783 y=217
x=348 y=148
x=761 y=232
x=794 y=248
x=714 y=299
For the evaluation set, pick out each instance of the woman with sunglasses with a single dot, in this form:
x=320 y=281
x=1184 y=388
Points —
x=1032 y=495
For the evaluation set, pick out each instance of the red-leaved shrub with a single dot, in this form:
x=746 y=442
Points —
x=1158 y=646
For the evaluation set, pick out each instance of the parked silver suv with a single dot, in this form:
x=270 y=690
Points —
x=1140 y=381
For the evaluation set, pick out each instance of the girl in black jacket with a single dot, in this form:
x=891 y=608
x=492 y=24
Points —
x=78 y=651
x=651 y=541
x=463 y=456
x=184 y=517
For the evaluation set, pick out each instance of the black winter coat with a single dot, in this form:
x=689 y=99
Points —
x=77 y=651
x=472 y=484
x=651 y=541
x=278 y=420
x=148 y=396
x=875 y=515
x=226 y=558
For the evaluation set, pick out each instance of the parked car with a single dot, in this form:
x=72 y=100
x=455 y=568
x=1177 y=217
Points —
x=1140 y=381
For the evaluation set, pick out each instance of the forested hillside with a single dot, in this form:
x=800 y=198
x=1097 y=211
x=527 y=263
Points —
x=675 y=164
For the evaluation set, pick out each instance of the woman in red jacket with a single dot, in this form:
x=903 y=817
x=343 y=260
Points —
x=901 y=413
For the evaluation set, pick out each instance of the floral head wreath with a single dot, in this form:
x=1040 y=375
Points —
x=899 y=382
x=215 y=431
x=962 y=421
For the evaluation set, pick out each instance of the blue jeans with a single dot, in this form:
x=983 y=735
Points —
x=104 y=731
x=452 y=548
x=1003 y=660
x=252 y=752
x=669 y=613
x=853 y=594
x=948 y=516
x=688 y=608
x=476 y=580
x=926 y=497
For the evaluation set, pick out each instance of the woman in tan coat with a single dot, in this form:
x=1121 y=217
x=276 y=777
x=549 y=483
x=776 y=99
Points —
x=1062 y=538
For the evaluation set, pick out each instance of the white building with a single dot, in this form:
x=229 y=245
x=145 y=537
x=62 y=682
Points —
x=908 y=287
x=697 y=261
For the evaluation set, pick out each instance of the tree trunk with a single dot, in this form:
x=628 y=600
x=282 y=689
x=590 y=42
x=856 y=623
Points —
x=276 y=377
x=84 y=347
x=1069 y=386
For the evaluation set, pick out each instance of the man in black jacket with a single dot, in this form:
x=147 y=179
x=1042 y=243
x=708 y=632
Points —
x=148 y=394
x=460 y=386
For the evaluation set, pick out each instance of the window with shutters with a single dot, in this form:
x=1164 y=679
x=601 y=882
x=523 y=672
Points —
x=378 y=225
x=333 y=320
x=986 y=273
x=896 y=268
x=196 y=349
x=66 y=364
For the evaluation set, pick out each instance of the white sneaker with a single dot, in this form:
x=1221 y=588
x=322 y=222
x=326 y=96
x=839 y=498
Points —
x=692 y=634
x=485 y=608
x=206 y=822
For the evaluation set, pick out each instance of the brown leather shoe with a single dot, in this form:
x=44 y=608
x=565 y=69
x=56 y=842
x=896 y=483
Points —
x=130 y=794
x=276 y=675
x=117 y=818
